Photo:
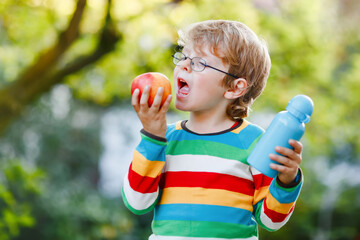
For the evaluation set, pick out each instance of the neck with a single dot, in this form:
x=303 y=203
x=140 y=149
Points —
x=208 y=122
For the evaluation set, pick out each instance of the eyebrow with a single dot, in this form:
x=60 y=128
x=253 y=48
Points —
x=201 y=54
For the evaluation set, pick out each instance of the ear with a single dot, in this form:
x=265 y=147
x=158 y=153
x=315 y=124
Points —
x=237 y=89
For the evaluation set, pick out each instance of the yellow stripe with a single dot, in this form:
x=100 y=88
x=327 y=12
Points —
x=197 y=195
x=260 y=194
x=145 y=167
x=178 y=125
x=274 y=205
x=243 y=125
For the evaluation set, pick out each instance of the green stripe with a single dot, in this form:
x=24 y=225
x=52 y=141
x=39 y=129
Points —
x=143 y=136
x=135 y=211
x=257 y=216
x=252 y=146
x=199 y=147
x=292 y=189
x=203 y=229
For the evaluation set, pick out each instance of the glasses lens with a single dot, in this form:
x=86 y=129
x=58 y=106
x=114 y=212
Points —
x=177 y=57
x=198 y=64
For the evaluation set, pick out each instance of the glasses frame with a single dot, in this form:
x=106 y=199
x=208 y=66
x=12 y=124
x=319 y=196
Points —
x=203 y=63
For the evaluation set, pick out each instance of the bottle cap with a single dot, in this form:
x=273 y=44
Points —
x=301 y=106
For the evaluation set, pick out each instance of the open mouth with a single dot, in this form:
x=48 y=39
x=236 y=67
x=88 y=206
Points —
x=183 y=87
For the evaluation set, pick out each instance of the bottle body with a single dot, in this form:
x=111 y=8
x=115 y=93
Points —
x=284 y=127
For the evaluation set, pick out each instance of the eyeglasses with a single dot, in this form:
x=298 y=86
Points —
x=196 y=63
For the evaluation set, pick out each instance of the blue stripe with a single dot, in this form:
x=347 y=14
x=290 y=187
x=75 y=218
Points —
x=200 y=212
x=243 y=140
x=151 y=151
x=170 y=129
x=282 y=195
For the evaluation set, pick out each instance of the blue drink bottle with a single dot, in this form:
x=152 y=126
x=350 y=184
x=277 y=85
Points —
x=286 y=125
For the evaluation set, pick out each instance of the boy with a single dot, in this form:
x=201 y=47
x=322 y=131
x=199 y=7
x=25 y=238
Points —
x=194 y=173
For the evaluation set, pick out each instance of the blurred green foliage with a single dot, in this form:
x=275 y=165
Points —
x=51 y=190
x=18 y=186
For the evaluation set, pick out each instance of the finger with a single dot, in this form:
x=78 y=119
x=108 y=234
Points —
x=157 y=99
x=284 y=172
x=279 y=168
x=296 y=145
x=283 y=160
x=135 y=99
x=287 y=152
x=166 y=104
x=145 y=97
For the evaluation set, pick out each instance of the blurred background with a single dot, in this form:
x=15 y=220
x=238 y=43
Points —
x=67 y=129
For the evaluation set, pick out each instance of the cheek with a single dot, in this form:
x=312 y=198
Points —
x=208 y=89
x=212 y=84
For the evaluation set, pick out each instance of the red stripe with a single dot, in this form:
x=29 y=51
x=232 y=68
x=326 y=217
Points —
x=260 y=180
x=275 y=216
x=236 y=123
x=207 y=180
x=142 y=184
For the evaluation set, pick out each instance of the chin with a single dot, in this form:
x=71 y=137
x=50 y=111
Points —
x=180 y=106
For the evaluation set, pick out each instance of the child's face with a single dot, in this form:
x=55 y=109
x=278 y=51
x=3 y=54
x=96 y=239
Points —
x=200 y=91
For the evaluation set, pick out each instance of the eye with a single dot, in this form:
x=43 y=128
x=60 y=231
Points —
x=180 y=56
x=198 y=64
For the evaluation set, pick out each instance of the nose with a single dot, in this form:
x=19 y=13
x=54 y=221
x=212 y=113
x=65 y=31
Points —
x=185 y=65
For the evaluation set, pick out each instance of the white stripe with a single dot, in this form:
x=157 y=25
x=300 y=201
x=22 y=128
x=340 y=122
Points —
x=269 y=223
x=254 y=171
x=156 y=237
x=204 y=163
x=137 y=200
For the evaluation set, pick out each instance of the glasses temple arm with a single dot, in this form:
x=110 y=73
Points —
x=220 y=70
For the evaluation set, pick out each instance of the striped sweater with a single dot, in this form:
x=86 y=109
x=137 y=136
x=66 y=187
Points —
x=201 y=186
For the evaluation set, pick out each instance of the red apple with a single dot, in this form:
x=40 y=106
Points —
x=154 y=80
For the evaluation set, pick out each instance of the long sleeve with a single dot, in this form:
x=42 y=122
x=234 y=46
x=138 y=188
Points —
x=141 y=184
x=274 y=203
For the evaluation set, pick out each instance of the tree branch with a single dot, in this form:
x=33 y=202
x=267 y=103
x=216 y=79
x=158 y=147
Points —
x=48 y=59
x=106 y=44
x=16 y=95
x=45 y=72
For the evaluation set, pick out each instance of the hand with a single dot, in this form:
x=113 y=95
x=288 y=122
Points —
x=152 y=118
x=290 y=161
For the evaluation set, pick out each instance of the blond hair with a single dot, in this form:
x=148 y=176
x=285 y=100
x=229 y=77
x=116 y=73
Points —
x=238 y=46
